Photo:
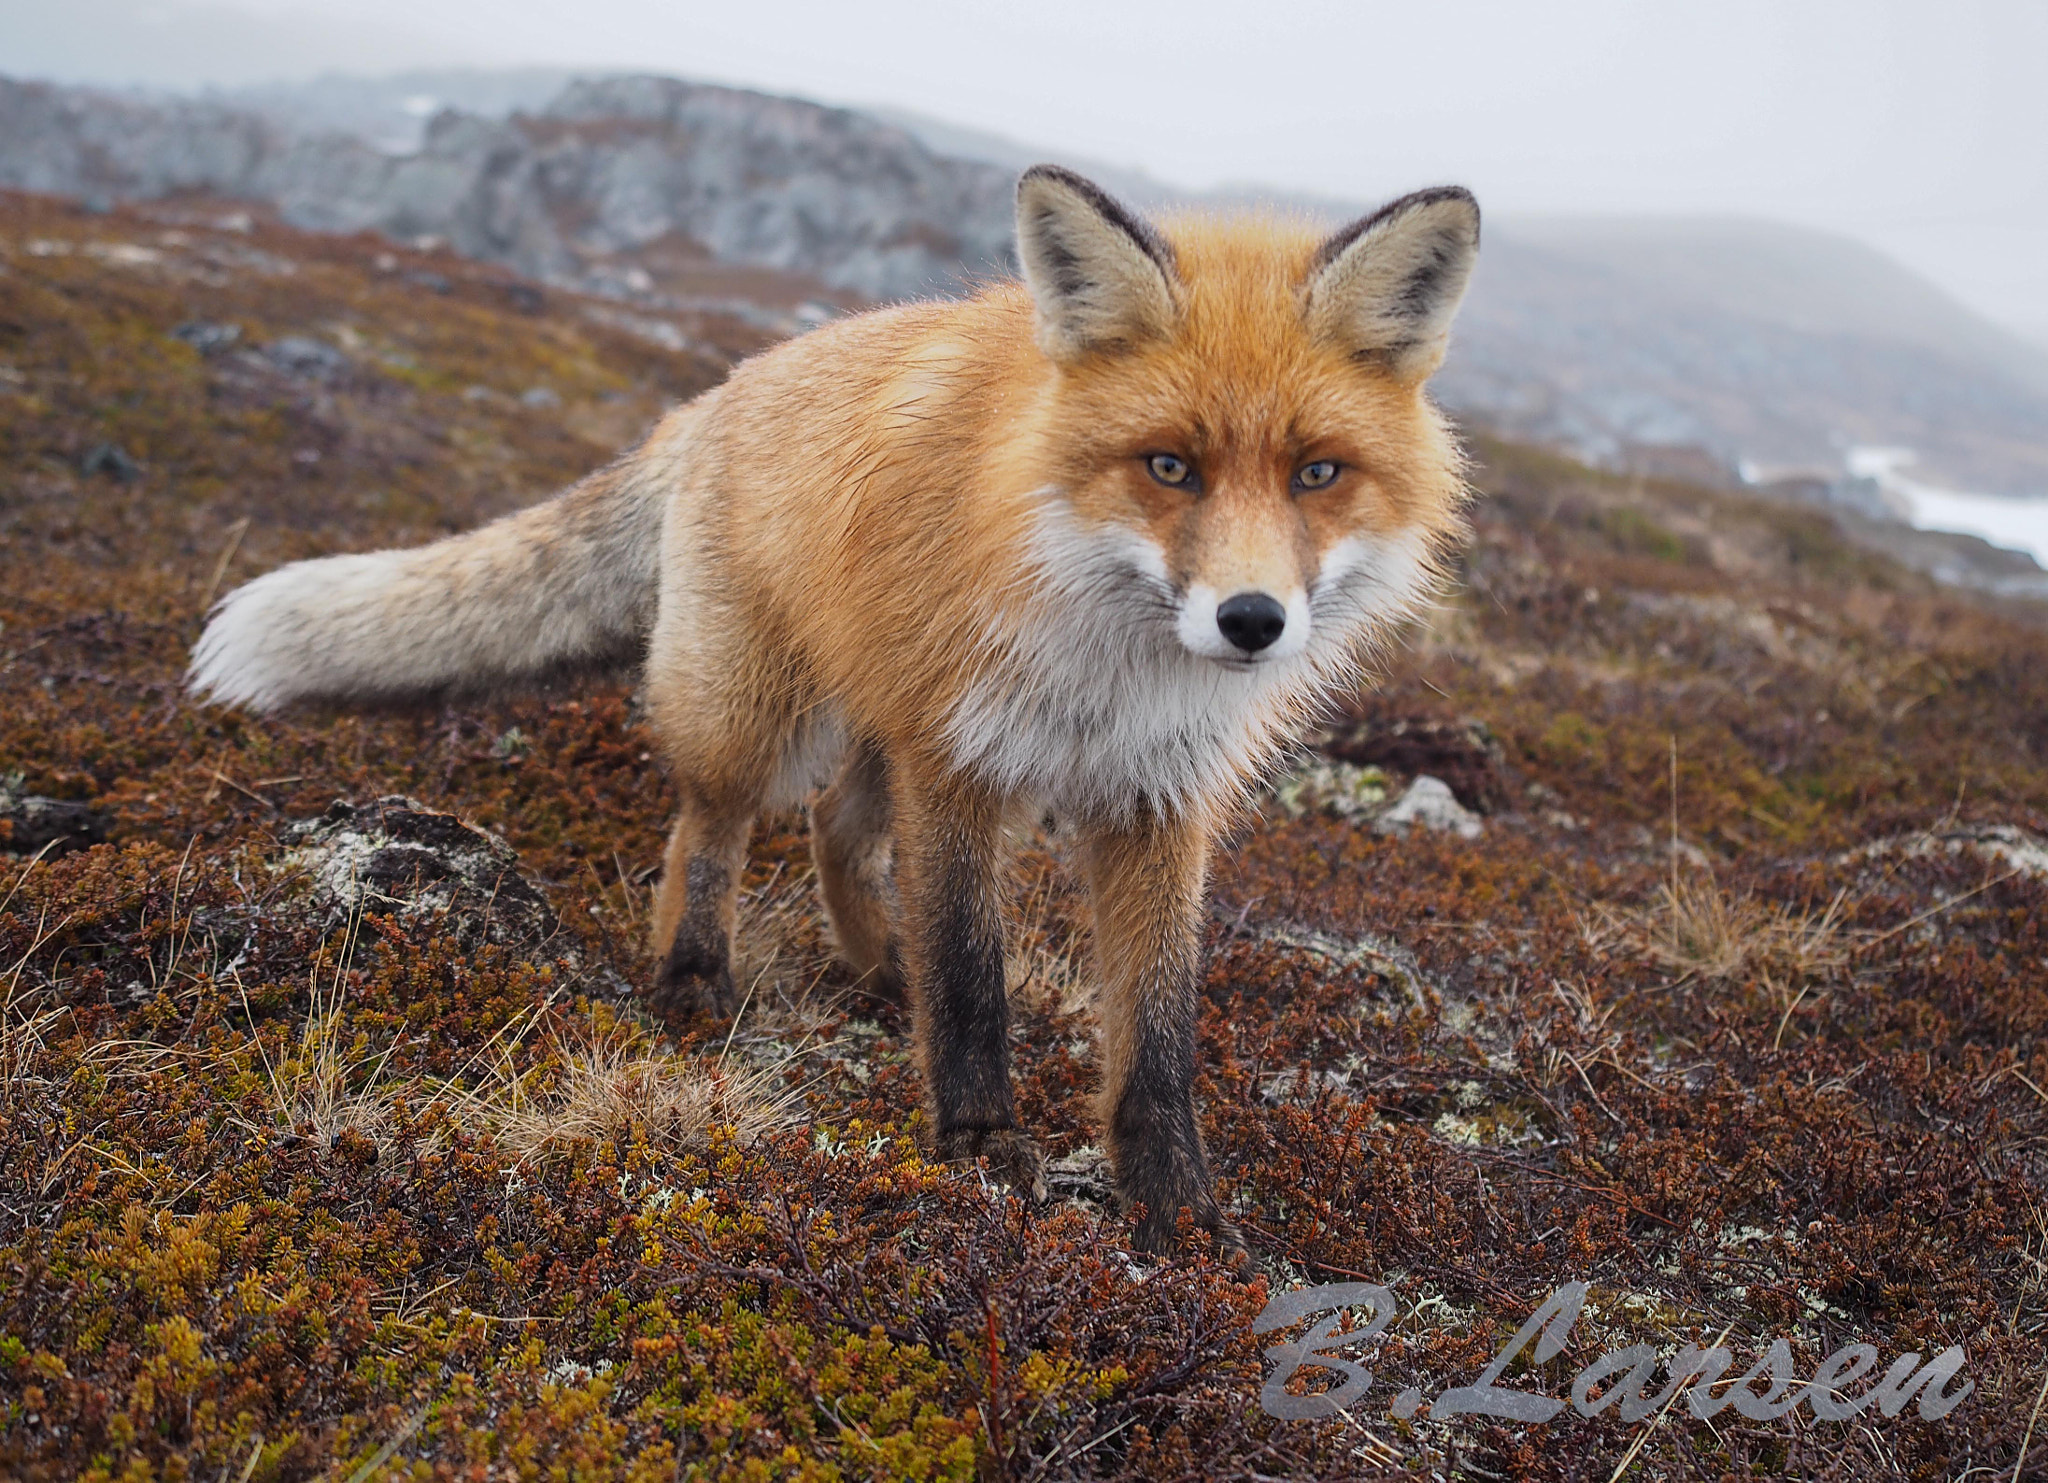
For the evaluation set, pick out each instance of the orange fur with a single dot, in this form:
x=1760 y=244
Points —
x=858 y=499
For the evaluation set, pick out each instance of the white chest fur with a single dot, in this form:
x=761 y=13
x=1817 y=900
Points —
x=1089 y=701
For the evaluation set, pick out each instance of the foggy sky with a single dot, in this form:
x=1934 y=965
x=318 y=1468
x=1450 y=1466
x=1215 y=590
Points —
x=1920 y=127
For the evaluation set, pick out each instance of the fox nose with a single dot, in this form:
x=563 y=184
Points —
x=1251 y=620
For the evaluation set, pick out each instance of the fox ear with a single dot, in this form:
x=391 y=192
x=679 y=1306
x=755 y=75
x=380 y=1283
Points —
x=1101 y=276
x=1388 y=286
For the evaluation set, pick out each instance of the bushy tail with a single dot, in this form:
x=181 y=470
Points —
x=564 y=588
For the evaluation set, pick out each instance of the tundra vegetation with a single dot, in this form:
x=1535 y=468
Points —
x=332 y=1143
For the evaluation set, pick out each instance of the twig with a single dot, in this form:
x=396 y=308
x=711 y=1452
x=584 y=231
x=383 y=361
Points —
x=32 y=862
x=1589 y=1086
x=1935 y=911
x=41 y=937
x=220 y=568
x=1778 y=1039
x=1674 y=816
x=995 y=1383
x=2026 y=1081
x=1658 y=1420
x=2028 y=1439
x=738 y=1015
x=1554 y=1177
x=221 y=777
x=383 y=1454
x=23 y=653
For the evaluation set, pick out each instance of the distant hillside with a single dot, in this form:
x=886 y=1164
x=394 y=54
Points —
x=1633 y=343
x=1752 y=340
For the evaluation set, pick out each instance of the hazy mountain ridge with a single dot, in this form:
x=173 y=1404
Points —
x=392 y=112
x=611 y=166
x=1617 y=338
x=1753 y=340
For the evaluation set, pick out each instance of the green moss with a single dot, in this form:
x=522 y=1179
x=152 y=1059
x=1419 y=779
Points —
x=1637 y=534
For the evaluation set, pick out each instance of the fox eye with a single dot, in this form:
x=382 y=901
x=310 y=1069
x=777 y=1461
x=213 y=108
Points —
x=1315 y=475
x=1170 y=470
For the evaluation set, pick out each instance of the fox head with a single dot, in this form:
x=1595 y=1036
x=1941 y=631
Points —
x=1239 y=409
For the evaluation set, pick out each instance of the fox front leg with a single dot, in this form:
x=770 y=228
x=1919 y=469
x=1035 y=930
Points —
x=1146 y=875
x=949 y=883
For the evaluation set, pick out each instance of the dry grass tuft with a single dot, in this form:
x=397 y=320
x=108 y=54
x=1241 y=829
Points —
x=1698 y=929
x=781 y=949
x=613 y=1087
x=329 y=1083
x=23 y=1041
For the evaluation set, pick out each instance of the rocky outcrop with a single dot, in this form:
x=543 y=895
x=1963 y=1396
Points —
x=46 y=826
x=788 y=184
x=399 y=858
x=610 y=168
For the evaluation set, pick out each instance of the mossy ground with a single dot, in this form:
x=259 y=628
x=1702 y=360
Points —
x=1671 y=1025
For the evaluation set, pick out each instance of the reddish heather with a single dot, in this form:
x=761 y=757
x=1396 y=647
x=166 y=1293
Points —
x=1734 y=1007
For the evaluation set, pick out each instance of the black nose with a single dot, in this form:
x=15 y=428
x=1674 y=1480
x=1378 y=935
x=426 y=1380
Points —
x=1251 y=620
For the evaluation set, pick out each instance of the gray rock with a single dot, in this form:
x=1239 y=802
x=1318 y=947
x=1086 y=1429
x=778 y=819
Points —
x=2008 y=845
x=207 y=337
x=1369 y=952
x=111 y=460
x=1430 y=803
x=1084 y=1178
x=306 y=357
x=396 y=857
x=610 y=166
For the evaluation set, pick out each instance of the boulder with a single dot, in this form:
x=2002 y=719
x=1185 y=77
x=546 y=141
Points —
x=1430 y=803
x=397 y=857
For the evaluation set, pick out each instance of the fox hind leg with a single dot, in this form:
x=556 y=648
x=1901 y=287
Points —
x=724 y=733
x=696 y=907
x=851 y=848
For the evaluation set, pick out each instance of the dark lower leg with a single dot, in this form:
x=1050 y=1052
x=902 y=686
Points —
x=695 y=910
x=1146 y=878
x=949 y=876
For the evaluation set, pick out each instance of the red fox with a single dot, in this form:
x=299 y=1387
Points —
x=1099 y=544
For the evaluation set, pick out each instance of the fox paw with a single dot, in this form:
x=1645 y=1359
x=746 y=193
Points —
x=682 y=992
x=1012 y=1157
x=881 y=986
x=1204 y=1225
